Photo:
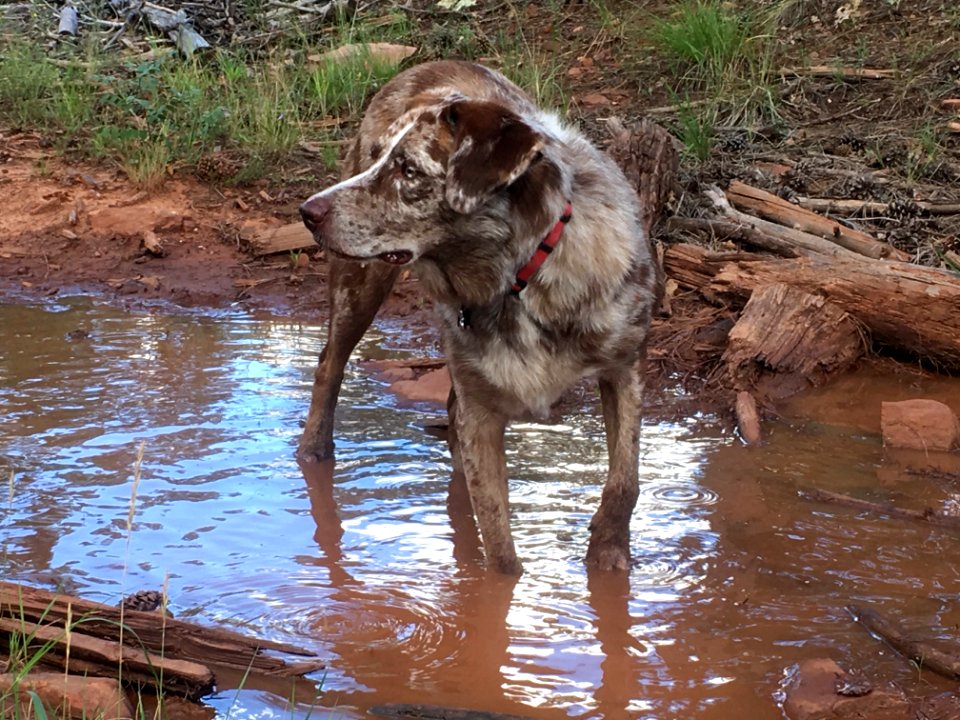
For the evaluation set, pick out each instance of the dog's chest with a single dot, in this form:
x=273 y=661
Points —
x=517 y=359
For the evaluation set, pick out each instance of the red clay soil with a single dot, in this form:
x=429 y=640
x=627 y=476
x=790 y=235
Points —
x=68 y=228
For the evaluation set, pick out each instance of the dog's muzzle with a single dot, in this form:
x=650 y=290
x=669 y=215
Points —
x=315 y=212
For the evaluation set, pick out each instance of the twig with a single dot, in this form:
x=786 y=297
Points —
x=928 y=516
x=921 y=653
x=844 y=73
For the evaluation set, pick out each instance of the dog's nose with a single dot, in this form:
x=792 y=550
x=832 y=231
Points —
x=314 y=213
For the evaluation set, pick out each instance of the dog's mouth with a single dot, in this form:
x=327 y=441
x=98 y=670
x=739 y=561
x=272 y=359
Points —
x=392 y=257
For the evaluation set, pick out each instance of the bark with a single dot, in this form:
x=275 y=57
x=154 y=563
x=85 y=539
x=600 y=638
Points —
x=287 y=238
x=786 y=338
x=923 y=654
x=650 y=160
x=910 y=308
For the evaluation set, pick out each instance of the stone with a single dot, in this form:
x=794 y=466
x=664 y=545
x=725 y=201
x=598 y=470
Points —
x=433 y=387
x=919 y=424
x=819 y=689
x=74 y=696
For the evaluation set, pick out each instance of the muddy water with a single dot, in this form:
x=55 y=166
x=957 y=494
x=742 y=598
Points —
x=372 y=562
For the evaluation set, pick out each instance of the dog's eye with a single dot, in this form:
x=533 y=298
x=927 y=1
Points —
x=408 y=170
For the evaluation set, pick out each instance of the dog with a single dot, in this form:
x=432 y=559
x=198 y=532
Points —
x=528 y=241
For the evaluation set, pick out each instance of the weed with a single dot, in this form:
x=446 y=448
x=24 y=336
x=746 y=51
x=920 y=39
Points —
x=725 y=54
x=696 y=130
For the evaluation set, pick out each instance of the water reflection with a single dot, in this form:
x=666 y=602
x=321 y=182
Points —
x=373 y=562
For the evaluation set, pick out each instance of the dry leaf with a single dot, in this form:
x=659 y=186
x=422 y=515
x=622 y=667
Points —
x=595 y=100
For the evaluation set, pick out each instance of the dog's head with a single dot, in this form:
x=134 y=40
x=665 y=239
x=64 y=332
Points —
x=433 y=164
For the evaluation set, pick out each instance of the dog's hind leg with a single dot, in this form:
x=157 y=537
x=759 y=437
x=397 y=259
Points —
x=621 y=393
x=480 y=448
x=357 y=290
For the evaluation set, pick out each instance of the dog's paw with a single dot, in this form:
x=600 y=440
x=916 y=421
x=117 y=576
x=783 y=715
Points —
x=608 y=556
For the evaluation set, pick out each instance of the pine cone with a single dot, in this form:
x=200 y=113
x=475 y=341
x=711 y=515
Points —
x=734 y=142
x=145 y=601
x=853 y=141
x=903 y=209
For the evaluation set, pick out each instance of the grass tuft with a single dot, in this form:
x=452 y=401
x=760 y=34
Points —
x=725 y=55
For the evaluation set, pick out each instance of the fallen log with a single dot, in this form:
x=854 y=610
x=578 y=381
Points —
x=769 y=206
x=153 y=632
x=721 y=231
x=77 y=652
x=922 y=653
x=787 y=340
x=910 y=308
x=287 y=238
x=928 y=516
x=803 y=243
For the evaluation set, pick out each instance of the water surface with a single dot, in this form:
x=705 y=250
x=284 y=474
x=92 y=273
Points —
x=373 y=562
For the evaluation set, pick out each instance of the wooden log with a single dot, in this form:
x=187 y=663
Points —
x=803 y=242
x=287 y=238
x=78 y=652
x=922 y=653
x=650 y=160
x=769 y=206
x=63 y=696
x=721 y=231
x=69 y=21
x=910 y=308
x=748 y=419
x=157 y=634
x=787 y=339
x=868 y=207
x=928 y=516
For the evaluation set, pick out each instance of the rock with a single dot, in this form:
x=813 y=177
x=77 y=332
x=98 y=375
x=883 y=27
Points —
x=152 y=244
x=76 y=696
x=433 y=387
x=819 y=689
x=133 y=220
x=919 y=424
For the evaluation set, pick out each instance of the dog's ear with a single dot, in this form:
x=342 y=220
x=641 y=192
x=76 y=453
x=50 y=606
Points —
x=493 y=146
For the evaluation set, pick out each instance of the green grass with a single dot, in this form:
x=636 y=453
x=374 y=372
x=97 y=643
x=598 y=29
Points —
x=723 y=54
x=152 y=117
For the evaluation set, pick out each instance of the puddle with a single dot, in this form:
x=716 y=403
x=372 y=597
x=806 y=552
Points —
x=370 y=565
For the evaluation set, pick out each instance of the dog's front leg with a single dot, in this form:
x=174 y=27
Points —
x=356 y=292
x=479 y=440
x=621 y=393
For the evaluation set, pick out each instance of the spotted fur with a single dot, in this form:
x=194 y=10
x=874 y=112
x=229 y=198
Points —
x=456 y=172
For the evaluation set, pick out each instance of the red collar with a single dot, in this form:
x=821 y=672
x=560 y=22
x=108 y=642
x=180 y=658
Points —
x=543 y=251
